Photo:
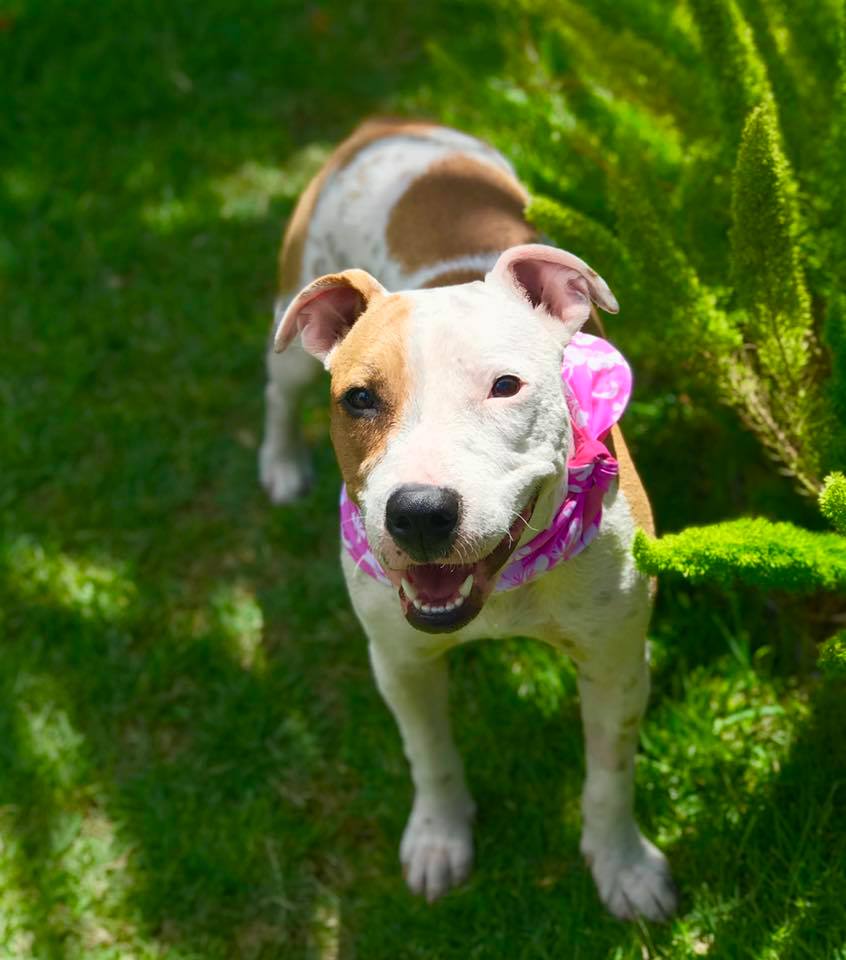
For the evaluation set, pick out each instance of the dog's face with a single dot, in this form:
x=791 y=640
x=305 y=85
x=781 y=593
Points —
x=448 y=415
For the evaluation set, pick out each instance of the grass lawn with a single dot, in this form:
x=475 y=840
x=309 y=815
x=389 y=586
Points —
x=194 y=761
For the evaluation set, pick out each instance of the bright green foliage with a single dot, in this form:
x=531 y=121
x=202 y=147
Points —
x=696 y=125
x=772 y=556
x=833 y=501
x=765 y=259
x=596 y=243
x=835 y=338
x=729 y=47
x=833 y=656
x=689 y=312
x=836 y=159
x=770 y=381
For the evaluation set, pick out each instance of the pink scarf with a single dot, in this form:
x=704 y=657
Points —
x=597 y=383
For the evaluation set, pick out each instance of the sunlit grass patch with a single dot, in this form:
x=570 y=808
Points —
x=248 y=192
x=41 y=574
x=245 y=194
x=241 y=621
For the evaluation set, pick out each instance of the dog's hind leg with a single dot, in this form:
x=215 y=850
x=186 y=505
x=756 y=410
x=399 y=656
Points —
x=284 y=467
x=437 y=846
x=631 y=874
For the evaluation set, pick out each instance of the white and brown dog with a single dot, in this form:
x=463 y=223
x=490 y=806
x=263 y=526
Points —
x=453 y=435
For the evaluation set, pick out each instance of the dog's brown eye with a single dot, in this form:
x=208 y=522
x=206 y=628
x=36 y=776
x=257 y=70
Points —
x=360 y=402
x=506 y=386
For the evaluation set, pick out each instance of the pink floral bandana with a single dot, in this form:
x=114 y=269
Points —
x=597 y=383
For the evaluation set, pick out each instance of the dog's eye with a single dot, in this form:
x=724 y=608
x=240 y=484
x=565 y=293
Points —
x=360 y=401
x=506 y=386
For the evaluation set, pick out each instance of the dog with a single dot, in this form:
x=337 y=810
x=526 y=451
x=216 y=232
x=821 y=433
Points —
x=460 y=451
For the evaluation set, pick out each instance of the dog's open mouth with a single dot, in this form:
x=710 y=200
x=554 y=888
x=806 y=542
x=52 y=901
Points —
x=441 y=598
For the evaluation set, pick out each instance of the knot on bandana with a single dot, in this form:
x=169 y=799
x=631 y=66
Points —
x=597 y=383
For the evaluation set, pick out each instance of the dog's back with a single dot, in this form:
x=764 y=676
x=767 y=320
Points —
x=413 y=203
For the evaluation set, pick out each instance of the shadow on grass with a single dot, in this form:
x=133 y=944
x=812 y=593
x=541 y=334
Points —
x=257 y=792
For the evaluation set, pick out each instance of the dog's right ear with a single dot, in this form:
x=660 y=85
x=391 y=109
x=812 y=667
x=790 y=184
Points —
x=324 y=312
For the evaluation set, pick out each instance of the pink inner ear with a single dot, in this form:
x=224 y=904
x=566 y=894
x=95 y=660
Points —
x=561 y=291
x=328 y=317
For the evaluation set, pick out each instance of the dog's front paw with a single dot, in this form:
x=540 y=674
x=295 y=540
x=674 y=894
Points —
x=285 y=478
x=633 y=878
x=437 y=848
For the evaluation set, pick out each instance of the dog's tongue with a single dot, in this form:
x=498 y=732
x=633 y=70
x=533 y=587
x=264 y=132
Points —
x=434 y=582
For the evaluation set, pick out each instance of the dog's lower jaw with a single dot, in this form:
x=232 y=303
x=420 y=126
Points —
x=478 y=578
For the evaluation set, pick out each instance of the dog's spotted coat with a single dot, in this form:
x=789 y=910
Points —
x=451 y=383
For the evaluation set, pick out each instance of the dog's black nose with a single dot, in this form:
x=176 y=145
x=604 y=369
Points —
x=423 y=519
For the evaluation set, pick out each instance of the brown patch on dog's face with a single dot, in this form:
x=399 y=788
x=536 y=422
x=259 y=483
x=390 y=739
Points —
x=459 y=206
x=373 y=358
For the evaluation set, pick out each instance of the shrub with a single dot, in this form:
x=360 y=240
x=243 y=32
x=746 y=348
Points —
x=696 y=155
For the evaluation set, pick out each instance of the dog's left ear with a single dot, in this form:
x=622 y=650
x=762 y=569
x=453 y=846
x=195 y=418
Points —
x=324 y=312
x=554 y=280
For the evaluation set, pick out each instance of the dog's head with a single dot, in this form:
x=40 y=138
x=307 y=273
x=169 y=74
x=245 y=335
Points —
x=448 y=416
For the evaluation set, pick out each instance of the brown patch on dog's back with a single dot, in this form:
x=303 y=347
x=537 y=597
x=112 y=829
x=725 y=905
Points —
x=372 y=355
x=451 y=278
x=293 y=243
x=459 y=206
x=630 y=483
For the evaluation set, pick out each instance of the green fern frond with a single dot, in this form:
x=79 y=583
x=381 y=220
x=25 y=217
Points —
x=834 y=336
x=689 y=312
x=765 y=260
x=729 y=50
x=757 y=552
x=574 y=231
x=833 y=501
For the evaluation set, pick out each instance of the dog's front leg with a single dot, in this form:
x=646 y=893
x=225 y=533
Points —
x=437 y=846
x=631 y=874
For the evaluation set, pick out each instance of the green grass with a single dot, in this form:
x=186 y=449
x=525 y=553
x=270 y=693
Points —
x=194 y=761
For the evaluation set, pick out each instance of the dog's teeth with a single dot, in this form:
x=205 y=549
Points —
x=417 y=603
x=425 y=607
x=410 y=592
x=466 y=587
x=448 y=607
x=437 y=609
x=458 y=601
